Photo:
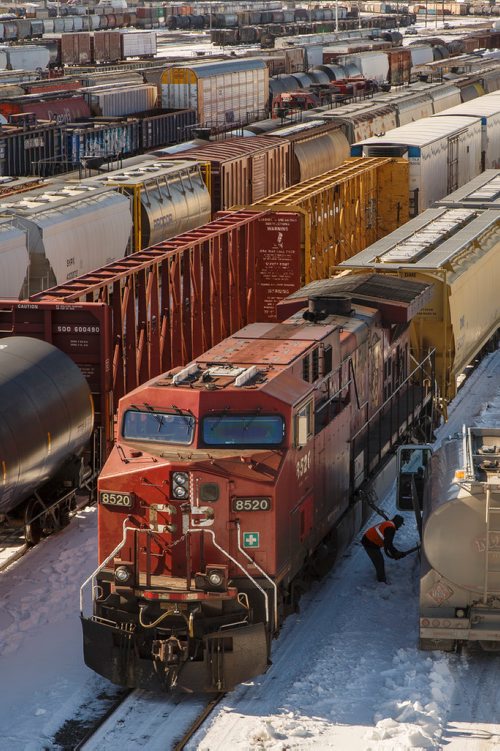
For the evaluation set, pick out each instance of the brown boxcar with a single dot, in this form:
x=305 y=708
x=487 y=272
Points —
x=107 y=46
x=76 y=49
x=243 y=170
x=399 y=66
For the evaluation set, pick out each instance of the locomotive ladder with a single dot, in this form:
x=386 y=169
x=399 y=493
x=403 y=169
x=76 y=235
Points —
x=492 y=548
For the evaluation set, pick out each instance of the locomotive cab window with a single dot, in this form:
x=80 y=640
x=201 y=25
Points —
x=243 y=431
x=160 y=427
x=304 y=424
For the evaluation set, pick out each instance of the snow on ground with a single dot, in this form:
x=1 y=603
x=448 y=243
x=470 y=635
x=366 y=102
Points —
x=346 y=672
x=43 y=680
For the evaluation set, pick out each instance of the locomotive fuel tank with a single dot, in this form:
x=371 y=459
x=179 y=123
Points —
x=46 y=416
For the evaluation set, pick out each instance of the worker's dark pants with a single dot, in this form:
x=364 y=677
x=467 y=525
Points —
x=375 y=554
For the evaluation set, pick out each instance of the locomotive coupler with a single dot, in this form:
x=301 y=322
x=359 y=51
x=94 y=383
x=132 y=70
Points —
x=169 y=651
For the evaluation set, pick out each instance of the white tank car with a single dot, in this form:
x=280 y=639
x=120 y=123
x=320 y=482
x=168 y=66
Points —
x=61 y=232
x=460 y=570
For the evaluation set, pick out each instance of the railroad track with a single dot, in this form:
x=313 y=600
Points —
x=140 y=717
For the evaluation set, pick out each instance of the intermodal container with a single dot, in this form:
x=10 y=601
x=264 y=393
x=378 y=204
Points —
x=121 y=101
x=138 y=44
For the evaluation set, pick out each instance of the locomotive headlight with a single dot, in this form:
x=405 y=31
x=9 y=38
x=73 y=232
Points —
x=180 y=485
x=180 y=492
x=180 y=478
x=459 y=613
x=122 y=574
x=215 y=578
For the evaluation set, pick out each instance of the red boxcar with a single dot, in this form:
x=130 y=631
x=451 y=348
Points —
x=47 y=87
x=55 y=109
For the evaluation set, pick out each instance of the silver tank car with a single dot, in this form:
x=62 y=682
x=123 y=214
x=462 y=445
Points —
x=46 y=418
x=460 y=572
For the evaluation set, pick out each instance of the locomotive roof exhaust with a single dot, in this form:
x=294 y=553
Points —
x=322 y=306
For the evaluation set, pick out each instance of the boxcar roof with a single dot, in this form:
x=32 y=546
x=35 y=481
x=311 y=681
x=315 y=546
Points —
x=481 y=193
x=430 y=241
x=421 y=132
x=206 y=70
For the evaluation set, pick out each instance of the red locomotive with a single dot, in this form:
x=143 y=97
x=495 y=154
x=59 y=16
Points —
x=232 y=476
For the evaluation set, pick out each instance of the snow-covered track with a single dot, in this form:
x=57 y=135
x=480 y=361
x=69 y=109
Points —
x=160 y=722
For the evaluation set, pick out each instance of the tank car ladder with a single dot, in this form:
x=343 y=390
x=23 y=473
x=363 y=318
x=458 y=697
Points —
x=492 y=546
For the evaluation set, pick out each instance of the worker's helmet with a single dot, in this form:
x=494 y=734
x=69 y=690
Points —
x=398 y=521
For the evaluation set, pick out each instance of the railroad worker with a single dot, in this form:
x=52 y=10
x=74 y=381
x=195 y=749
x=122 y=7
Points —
x=382 y=536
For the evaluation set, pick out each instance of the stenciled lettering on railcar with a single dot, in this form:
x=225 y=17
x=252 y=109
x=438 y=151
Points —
x=303 y=465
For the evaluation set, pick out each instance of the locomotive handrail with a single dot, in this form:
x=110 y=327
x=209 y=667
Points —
x=264 y=574
x=205 y=531
x=107 y=560
x=391 y=397
x=236 y=563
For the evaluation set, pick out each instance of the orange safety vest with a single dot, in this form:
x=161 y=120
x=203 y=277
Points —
x=376 y=534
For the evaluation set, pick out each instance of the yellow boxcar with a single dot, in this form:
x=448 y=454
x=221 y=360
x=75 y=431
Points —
x=345 y=210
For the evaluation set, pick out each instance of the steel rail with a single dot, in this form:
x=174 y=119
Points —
x=104 y=718
x=180 y=745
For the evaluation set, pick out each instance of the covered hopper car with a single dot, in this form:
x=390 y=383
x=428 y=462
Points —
x=46 y=423
x=233 y=478
x=457 y=250
x=169 y=198
x=61 y=231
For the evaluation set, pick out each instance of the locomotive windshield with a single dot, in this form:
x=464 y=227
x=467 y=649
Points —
x=243 y=430
x=158 y=426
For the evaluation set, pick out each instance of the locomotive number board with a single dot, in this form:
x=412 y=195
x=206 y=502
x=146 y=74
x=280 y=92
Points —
x=250 y=504
x=112 y=498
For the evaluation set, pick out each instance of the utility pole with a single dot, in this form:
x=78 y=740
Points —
x=336 y=15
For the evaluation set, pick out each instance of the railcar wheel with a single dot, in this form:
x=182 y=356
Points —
x=38 y=522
